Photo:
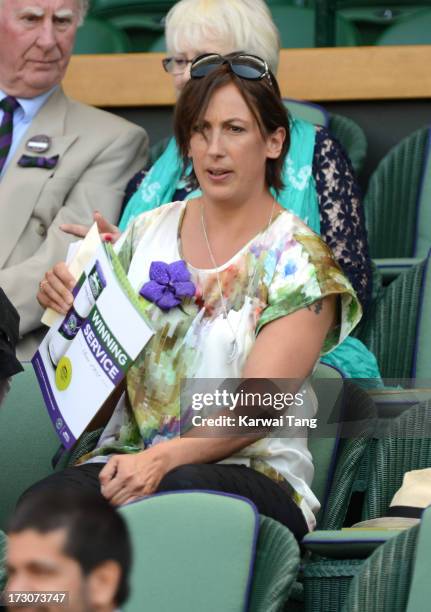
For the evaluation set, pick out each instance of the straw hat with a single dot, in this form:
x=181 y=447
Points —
x=407 y=504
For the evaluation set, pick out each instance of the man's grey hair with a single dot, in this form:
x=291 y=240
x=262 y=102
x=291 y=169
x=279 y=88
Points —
x=84 y=5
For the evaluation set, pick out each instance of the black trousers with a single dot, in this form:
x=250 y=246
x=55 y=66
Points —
x=269 y=497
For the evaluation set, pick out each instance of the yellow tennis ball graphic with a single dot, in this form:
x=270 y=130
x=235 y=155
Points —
x=63 y=374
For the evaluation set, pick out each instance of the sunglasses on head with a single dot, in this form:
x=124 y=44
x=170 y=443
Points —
x=245 y=66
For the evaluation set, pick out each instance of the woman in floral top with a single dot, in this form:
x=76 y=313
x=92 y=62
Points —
x=238 y=287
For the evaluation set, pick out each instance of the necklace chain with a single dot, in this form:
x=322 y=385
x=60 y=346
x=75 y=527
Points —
x=234 y=348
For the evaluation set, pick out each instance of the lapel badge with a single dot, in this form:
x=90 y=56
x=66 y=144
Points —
x=38 y=144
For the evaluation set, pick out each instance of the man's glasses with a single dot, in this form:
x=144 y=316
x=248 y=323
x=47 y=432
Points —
x=245 y=66
x=175 y=65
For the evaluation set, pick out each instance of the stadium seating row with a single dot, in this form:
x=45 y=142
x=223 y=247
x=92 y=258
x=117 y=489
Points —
x=114 y=26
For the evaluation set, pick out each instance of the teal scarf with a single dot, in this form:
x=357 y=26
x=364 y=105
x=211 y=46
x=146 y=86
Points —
x=299 y=196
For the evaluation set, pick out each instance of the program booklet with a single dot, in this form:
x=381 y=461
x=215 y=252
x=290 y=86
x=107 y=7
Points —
x=87 y=353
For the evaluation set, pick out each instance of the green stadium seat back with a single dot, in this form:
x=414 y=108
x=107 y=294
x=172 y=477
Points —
x=276 y=567
x=141 y=20
x=297 y=28
x=158 y=45
x=377 y=11
x=27 y=440
x=406 y=446
x=359 y=415
x=396 y=203
x=192 y=551
x=106 y=7
x=390 y=328
x=422 y=355
x=324 y=448
x=98 y=36
x=420 y=585
x=422 y=242
x=352 y=137
x=413 y=30
x=398 y=326
x=314 y=113
x=346 y=543
x=383 y=581
x=395 y=578
x=370 y=17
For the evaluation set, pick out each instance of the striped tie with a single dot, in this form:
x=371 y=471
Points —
x=8 y=105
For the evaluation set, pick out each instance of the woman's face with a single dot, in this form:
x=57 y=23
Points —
x=183 y=59
x=228 y=150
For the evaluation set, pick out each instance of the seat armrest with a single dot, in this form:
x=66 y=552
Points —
x=390 y=268
x=349 y=543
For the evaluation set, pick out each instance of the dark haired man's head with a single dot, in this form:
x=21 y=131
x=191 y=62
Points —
x=263 y=99
x=73 y=542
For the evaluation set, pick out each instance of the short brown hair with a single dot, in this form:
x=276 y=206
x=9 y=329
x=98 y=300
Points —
x=263 y=99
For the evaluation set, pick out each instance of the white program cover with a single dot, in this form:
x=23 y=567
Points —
x=86 y=354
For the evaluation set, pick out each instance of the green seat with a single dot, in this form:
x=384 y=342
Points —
x=333 y=485
x=358 y=422
x=413 y=30
x=141 y=20
x=27 y=440
x=405 y=447
x=370 y=470
x=397 y=203
x=339 y=555
x=195 y=551
x=352 y=137
x=397 y=328
x=275 y=568
x=308 y=111
x=157 y=45
x=383 y=581
x=326 y=580
x=327 y=384
x=115 y=6
x=396 y=577
x=297 y=27
x=98 y=36
x=371 y=17
x=296 y=24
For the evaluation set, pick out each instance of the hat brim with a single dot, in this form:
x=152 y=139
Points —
x=388 y=522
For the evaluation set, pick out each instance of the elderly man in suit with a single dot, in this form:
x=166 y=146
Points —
x=59 y=159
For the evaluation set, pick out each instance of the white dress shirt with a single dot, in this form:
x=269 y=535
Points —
x=22 y=117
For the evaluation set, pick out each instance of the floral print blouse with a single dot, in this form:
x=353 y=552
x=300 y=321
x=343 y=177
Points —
x=282 y=269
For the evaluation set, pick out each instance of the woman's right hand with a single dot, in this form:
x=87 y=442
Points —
x=108 y=231
x=55 y=289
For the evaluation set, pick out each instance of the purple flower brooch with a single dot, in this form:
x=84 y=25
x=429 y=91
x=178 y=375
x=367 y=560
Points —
x=169 y=284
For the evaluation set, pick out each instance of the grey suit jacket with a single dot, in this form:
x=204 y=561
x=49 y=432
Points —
x=99 y=153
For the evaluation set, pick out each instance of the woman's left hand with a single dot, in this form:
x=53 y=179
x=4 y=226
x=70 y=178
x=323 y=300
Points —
x=128 y=477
